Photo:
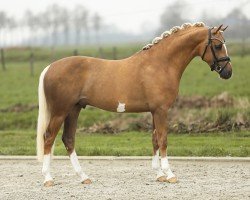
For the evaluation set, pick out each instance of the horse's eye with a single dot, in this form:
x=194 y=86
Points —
x=218 y=47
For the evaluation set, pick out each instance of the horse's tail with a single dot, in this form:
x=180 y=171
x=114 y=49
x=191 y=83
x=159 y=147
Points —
x=43 y=117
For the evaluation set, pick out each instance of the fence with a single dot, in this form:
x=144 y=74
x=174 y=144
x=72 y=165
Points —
x=32 y=55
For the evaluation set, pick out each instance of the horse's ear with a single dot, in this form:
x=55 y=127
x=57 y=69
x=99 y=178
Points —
x=224 y=28
x=218 y=29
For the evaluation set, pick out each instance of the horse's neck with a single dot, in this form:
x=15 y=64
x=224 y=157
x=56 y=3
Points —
x=177 y=52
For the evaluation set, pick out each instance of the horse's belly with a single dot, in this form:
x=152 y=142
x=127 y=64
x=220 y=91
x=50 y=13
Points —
x=119 y=106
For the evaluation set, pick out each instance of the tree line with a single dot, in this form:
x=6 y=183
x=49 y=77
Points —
x=48 y=27
x=57 y=25
x=178 y=13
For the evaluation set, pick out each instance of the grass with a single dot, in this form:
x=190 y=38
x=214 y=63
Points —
x=133 y=144
x=199 y=80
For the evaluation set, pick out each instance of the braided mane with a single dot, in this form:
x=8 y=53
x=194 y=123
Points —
x=172 y=31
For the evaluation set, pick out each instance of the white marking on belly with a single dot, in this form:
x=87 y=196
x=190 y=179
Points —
x=121 y=107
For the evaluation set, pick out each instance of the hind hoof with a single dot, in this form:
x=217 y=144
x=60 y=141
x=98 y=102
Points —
x=48 y=184
x=172 y=180
x=87 y=181
x=162 y=179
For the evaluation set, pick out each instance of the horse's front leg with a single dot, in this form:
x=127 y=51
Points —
x=159 y=140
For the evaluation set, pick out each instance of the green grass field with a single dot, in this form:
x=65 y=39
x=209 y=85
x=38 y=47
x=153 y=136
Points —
x=17 y=129
x=133 y=144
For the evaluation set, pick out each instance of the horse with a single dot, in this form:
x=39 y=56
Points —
x=147 y=81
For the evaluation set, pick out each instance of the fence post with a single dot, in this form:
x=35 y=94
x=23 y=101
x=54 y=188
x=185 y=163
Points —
x=3 y=59
x=243 y=48
x=32 y=63
x=100 y=52
x=75 y=52
x=114 y=53
x=52 y=53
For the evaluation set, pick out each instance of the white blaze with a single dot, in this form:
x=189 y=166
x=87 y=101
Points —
x=225 y=48
x=121 y=107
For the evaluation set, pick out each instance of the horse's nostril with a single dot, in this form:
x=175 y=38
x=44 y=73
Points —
x=226 y=74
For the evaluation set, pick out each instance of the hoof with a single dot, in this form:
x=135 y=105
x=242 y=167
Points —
x=87 y=181
x=162 y=179
x=172 y=180
x=48 y=184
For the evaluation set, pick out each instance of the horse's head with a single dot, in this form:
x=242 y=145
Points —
x=215 y=53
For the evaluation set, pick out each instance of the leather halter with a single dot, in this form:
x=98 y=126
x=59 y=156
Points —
x=215 y=66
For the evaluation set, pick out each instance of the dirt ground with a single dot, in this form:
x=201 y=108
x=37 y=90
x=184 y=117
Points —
x=126 y=179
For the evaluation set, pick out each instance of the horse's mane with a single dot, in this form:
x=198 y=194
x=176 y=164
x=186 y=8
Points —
x=172 y=31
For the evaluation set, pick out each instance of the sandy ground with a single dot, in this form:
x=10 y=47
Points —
x=126 y=179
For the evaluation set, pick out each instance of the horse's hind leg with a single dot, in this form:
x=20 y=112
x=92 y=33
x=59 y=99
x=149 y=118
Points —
x=49 y=138
x=68 y=139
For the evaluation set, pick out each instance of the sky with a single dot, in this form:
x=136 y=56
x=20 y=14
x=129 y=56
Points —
x=128 y=15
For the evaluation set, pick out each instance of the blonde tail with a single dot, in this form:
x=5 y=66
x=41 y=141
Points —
x=43 y=117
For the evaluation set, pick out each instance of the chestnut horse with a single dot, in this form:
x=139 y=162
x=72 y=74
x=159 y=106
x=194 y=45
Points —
x=148 y=81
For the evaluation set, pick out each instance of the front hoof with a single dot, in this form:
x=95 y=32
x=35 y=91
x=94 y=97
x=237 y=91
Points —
x=162 y=179
x=48 y=184
x=172 y=180
x=87 y=181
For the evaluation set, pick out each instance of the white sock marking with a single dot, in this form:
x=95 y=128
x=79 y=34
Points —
x=164 y=164
x=77 y=167
x=169 y=174
x=166 y=168
x=46 y=168
x=121 y=107
x=156 y=161
x=160 y=173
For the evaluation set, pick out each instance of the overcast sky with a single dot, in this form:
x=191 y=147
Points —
x=128 y=15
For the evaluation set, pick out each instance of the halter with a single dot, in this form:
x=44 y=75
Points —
x=215 y=66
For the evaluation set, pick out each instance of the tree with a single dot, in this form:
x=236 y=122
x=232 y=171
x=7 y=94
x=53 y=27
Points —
x=31 y=22
x=11 y=25
x=210 y=20
x=172 y=16
x=97 y=26
x=46 y=27
x=3 y=24
x=81 y=15
x=65 y=23
x=55 y=13
x=239 y=26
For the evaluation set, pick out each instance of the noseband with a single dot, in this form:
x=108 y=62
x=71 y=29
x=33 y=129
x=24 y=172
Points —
x=215 y=66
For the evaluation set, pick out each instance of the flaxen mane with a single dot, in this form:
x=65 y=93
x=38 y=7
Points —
x=171 y=31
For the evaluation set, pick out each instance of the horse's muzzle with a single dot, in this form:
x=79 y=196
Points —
x=226 y=73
